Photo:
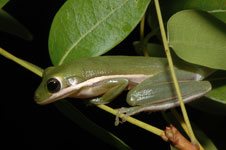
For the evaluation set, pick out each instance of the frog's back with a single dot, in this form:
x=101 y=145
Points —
x=117 y=65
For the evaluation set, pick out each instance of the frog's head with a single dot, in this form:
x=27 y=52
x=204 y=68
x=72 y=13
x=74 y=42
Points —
x=54 y=86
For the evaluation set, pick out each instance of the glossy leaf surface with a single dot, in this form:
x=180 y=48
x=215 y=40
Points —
x=85 y=28
x=198 y=38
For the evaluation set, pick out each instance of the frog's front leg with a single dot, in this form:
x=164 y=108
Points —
x=158 y=93
x=111 y=88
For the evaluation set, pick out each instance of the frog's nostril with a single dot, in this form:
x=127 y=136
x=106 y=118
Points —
x=36 y=97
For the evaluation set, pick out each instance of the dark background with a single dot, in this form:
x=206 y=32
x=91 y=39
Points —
x=30 y=126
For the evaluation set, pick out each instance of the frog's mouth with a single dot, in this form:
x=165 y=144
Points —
x=57 y=96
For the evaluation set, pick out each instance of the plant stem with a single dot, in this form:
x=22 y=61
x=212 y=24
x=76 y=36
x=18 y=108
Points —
x=142 y=27
x=142 y=22
x=169 y=58
x=134 y=121
x=38 y=71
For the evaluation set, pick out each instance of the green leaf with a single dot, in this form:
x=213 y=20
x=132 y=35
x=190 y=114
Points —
x=216 y=7
x=11 y=25
x=199 y=38
x=85 y=28
x=168 y=8
x=77 y=117
x=3 y=3
x=218 y=94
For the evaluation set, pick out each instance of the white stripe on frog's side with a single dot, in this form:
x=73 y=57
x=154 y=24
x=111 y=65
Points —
x=135 y=78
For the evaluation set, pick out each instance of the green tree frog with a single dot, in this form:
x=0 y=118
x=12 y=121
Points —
x=103 y=78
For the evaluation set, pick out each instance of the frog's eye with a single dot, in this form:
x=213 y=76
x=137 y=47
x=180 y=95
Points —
x=53 y=85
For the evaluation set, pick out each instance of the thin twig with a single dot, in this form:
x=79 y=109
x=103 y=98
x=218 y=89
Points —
x=169 y=58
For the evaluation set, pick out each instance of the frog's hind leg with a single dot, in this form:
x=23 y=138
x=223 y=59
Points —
x=158 y=93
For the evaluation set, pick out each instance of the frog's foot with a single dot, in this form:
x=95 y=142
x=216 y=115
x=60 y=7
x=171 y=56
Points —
x=124 y=113
x=121 y=111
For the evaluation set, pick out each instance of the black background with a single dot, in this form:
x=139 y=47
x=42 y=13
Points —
x=30 y=126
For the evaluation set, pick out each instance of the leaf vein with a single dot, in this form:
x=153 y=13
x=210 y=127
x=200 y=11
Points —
x=90 y=30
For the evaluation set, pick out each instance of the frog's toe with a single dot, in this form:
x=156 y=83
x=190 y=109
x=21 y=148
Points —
x=118 y=115
x=126 y=112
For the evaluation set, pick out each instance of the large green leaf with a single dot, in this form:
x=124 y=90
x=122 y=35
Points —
x=3 y=3
x=198 y=37
x=10 y=25
x=85 y=28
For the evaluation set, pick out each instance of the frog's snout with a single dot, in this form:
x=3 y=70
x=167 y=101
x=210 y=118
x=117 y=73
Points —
x=36 y=97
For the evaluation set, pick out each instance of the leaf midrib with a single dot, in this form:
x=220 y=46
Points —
x=89 y=31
